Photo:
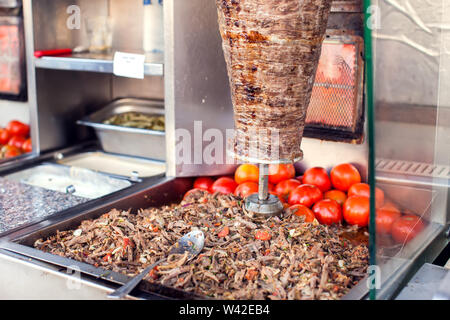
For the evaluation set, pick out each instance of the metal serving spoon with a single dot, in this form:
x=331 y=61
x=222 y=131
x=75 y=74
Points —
x=191 y=242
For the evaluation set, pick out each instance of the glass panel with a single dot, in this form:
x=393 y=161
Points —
x=412 y=129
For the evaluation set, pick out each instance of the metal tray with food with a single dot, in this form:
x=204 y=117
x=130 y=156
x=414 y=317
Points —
x=205 y=277
x=164 y=192
x=123 y=125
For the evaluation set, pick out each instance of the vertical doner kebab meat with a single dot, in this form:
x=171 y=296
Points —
x=271 y=48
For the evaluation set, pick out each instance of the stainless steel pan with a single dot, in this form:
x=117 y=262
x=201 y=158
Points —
x=165 y=192
x=124 y=140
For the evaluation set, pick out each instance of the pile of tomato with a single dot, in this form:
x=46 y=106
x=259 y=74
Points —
x=337 y=197
x=14 y=139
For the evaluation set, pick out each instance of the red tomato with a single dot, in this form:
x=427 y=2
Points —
x=343 y=176
x=245 y=189
x=246 y=172
x=384 y=220
x=27 y=146
x=305 y=194
x=328 y=211
x=318 y=177
x=300 y=178
x=389 y=206
x=280 y=172
x=10 y=151
x=301 y=210
x=262 y=235
x=4 y=136
x=203 y=183
x=283 y=188
x=224 y=185
x=336 y=195
x=363 y=189
x=271 y=188
x=17 y=128
x=189 y=192
x=406 y=228
x=356 y=210
x=16 y=141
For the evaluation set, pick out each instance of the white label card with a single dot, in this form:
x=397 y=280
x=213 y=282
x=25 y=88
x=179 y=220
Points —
x=129 y=65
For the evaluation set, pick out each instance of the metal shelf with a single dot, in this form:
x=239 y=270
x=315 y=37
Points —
x=97 y=63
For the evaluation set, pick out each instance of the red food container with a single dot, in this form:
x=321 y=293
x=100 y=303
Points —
x=12 y=59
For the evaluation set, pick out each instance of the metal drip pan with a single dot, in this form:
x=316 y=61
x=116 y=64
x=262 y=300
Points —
x=119 y=165
x=77 y=181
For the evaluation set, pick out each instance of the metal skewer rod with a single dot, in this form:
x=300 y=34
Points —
x=263 y=204
x=263 y=188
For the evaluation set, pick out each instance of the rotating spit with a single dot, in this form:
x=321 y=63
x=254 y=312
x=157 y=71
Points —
x=263 y=203
x=271 y=71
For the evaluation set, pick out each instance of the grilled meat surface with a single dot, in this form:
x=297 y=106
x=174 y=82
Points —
x=272 y=48
x=299 y=261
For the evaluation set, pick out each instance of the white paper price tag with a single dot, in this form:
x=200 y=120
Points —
x=129 y=65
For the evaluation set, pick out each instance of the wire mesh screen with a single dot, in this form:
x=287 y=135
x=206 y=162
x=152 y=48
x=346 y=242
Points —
x=336 y=100
x=9 y=59
x=12 y=82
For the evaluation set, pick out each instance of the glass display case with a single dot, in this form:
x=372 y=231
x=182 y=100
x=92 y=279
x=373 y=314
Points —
x=393 y=126
x=409 y=119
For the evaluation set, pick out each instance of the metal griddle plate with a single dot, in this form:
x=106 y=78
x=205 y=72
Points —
x=163 y=193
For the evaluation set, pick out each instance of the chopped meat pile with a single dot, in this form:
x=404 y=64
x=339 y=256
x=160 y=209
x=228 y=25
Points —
x=243 y=258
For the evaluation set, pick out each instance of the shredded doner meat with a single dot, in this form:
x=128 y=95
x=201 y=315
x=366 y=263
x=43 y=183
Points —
x=299 y=260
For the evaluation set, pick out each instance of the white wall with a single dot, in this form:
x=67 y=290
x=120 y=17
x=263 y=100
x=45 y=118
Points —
x=409 y=47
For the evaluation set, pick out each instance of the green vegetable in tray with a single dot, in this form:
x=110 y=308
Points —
x=137 y=120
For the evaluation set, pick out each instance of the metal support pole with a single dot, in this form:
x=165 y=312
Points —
x=263 y=188
x=263 y=204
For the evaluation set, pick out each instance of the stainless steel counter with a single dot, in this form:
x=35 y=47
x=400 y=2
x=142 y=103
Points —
x=24 y=279
x=430 y=282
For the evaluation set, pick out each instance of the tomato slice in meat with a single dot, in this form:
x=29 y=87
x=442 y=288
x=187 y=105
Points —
x=224 y=232
x=262 y=235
